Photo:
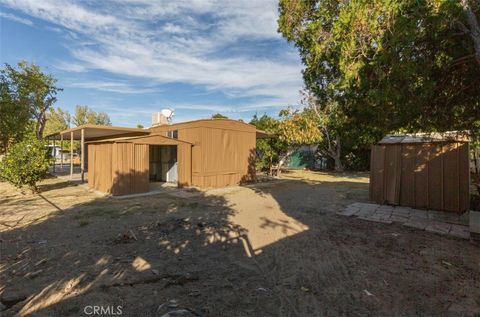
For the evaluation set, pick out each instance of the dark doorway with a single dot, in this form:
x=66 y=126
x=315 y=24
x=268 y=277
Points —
x=163 y=163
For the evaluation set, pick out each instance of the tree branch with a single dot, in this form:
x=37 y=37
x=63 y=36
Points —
x=474 y=30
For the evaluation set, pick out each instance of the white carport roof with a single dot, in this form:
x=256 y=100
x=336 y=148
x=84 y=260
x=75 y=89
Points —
x=97 y=132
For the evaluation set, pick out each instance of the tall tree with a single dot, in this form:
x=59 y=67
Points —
x=296 y=129
x=14 y=117
x=57 y=120
x=331 y=123
x=269 y=149
x=219 y=116
x=473 y=28
x=32 y=89
x=85 y=115
x=389 y=65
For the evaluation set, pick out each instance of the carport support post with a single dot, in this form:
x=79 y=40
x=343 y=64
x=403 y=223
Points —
x=71 y=155
x=61 y=152
x=54 y=155
x=82 y=163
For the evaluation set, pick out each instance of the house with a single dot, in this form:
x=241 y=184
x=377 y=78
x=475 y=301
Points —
x=207 y=153
x=54 y=151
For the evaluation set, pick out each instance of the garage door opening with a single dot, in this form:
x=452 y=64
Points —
x=163 y=165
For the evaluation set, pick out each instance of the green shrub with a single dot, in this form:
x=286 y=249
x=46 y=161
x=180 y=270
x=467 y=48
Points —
x=26 y=163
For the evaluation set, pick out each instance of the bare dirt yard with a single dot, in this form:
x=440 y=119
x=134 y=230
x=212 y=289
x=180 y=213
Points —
x=273 y=249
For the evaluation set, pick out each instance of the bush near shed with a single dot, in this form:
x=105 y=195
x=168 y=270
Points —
x=26 y=163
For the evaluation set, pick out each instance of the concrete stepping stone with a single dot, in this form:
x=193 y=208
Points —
x=460 y=231
x=438 y=227
x=419 y=213
x=416 y=222
x=398 y=218
x=348 y=212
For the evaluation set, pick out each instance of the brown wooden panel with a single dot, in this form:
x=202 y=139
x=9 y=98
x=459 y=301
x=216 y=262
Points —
x=421 y=153
x=377 y=172
x=407 y=183
x=193 y=135
x=123 y=168
x=435 y=177
x=451 y=184
x=464 y=176
x=91 y=162
x=107 y=179
x=141 y=181
x=184 y=157
x=392 y=174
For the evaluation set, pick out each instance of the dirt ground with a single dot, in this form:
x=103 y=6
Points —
x=273 y=249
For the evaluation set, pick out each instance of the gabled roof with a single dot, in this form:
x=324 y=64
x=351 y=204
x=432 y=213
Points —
x=199 y=122
x=229 y=124
x=448 y=136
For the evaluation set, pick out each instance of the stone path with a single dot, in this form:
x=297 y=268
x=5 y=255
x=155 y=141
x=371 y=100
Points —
x=429 y=220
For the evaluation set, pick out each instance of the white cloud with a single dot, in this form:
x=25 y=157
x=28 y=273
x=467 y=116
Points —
x=118 y=87
x=15 y=18
x=70 y=67
x=195 y=42
x=173 y=28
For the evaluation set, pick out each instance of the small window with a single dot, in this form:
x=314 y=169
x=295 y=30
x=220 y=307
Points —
x=173 y=134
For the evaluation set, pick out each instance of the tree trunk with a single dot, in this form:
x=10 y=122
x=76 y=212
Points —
x=283 y=160
x=474 y=30
x=338 y=164
x=40 y=127
x=337 y=155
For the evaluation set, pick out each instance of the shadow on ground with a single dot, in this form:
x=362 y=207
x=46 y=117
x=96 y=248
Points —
x=272 y=250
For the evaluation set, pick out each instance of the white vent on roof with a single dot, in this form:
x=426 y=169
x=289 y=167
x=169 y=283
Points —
x=163 y=117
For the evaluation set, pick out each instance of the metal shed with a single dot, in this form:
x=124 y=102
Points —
x=426 y=171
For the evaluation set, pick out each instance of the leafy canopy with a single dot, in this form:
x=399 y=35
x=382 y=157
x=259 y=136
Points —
x=388 y=64
x=85 y=115
x=219 y=116
x=29 y=93
x=14 y=117
x=26 y=163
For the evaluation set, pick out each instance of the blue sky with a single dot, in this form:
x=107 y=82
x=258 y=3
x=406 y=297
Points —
x=131 y=58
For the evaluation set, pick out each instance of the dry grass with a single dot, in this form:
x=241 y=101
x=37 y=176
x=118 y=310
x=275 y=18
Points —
x=273 y=250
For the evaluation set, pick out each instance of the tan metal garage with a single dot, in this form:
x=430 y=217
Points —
x=203 y=153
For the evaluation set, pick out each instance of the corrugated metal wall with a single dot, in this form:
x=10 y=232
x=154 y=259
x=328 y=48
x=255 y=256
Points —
x=100 y=167
x=225 y=157
x=118 y=168
x=223 y=151
x=424 y=175
x=184 y=157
